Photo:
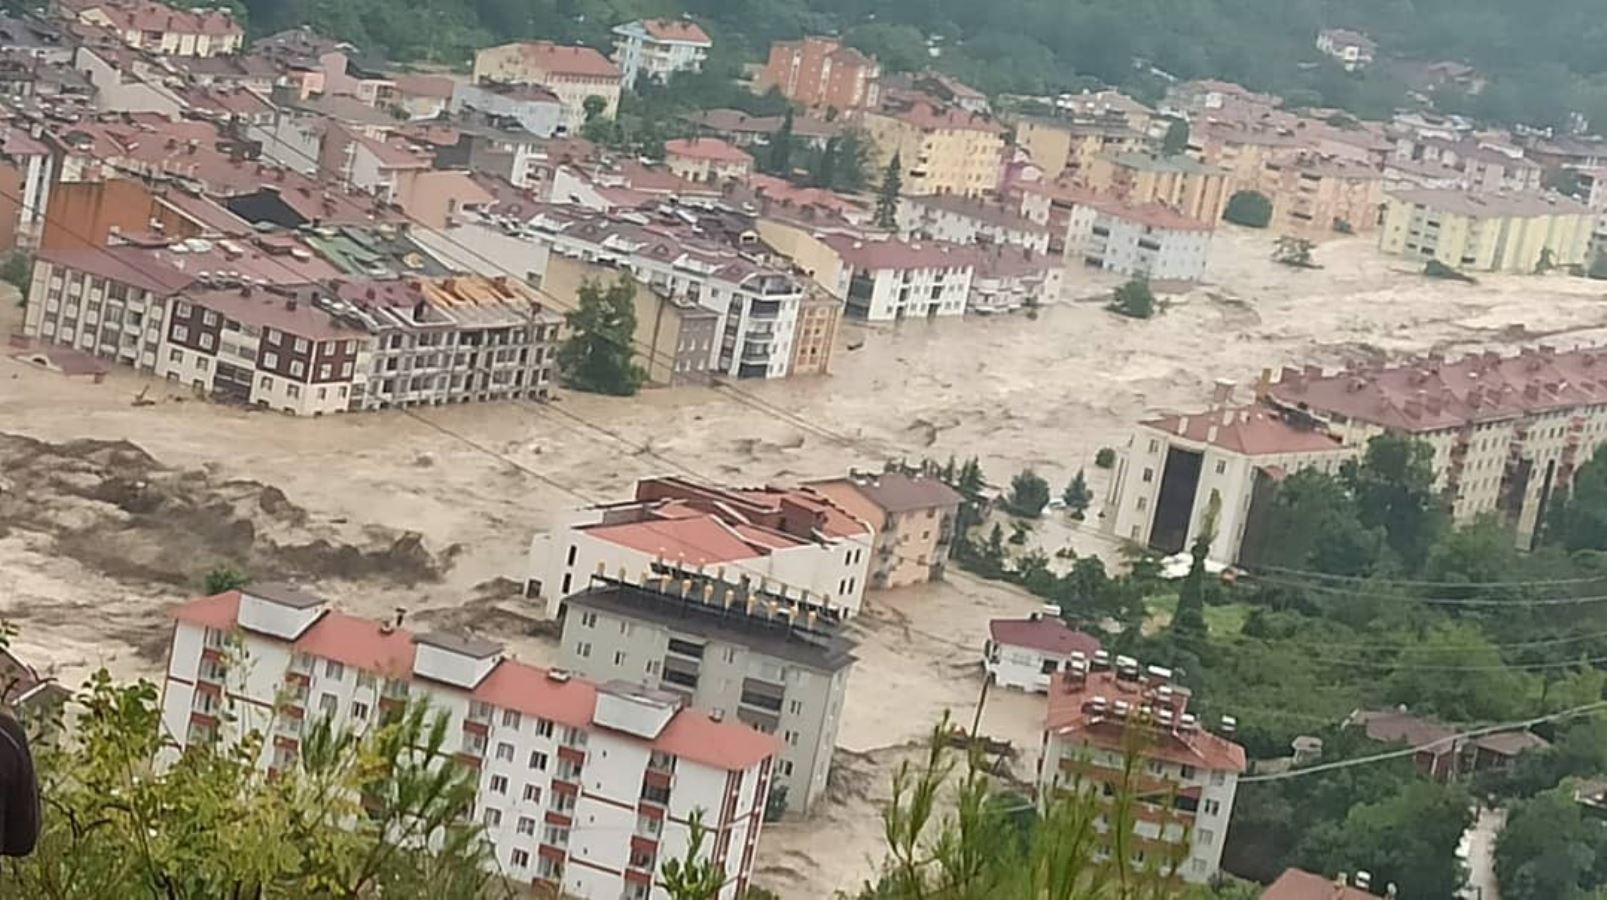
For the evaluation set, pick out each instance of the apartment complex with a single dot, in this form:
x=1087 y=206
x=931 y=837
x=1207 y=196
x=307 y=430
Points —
x=159 y=28
x=1146 y=241
x=942 y=149
x=1487 y=232
x=964 y=220
x=890 y=280
x=912 y=516
x=821 y=73
x=1322 y=196
x=793 y=541
x=658 y=48
x=742 y=653
x=582 y=788
x=1196 y=190
x=675 y=336
x=1067 y=147
x=707 y=160
x=1188 y=778
x=573 y=73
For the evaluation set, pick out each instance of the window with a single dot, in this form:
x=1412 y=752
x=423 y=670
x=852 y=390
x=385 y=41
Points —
x=175 y=355
x=1149 y=475
x=182 y=309
x=538 y=760
x=505 y=751
x=360 y=711
x=301 y=345
x=526 y=825
x=1212 y=807
x=292 y=391
x=589 y=620
x=1216 y=778
x=297 y=367
x=202 y=363
x=365 y=679
x=520 y=858
x=181 y=333
x=583 y=650
x=556 y=835
x=792 y=738
x=324 y=371
x=492 y=817
x=499 y=784
x=328 y=704
x=544 y=727
x=619 y=657
x=270 y=360
x=532 y=793
x=572 y=550
x=1221 y=466
x=1204 y=837
x=334 y=670
x=1143 y=503
x=1188 y=772
x=795 y=707
x=510 y=719
x=1155 y=766
x=209 y=318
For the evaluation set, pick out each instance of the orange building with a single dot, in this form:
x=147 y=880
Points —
x=821 y=72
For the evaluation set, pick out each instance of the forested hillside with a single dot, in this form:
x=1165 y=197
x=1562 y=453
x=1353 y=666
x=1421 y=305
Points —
x=1543 y=60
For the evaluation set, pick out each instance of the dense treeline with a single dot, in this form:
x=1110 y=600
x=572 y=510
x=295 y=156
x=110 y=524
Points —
x=1542 y=61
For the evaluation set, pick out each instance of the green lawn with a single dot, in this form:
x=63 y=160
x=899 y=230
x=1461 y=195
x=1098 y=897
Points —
x=1220 y=620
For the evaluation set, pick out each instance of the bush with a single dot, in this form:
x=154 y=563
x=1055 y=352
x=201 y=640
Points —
x=17 y=270
x=1029 y=494
x=1250 y=209
x=1134 y=300
x=225 y=578
x=1436 y=269
x=1105 y=458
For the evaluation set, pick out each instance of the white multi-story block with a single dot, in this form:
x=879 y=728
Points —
x=1148 y=241
x=890 y=280
x=582 y=788
x=658 y=48
x=1027 y=653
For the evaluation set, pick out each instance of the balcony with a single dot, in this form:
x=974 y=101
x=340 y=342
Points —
x=575 y=755
x=765 y=309
x=653 y=796
x=657 y=780
x=472 y=726
x=468 y=760
x=554 y=817
x=301 y=679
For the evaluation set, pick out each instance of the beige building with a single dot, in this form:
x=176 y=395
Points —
x=1062 y=147
x=1313 y=197
x=675 y=336
x=819 y=314
x=912 y=515
x=573 y=73
x=943 y=150
x=1185 y=185
x=1487 y=232
x=163 y=29
x=707 y=160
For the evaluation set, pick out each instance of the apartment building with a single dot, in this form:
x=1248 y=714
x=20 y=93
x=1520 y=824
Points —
x=1196 y=190
x=582 y=788
x=1144 y=241
x=890 y=280
x=819 y=315
x=1189 y=776
x=1181 y=474
x=707 y=160
x=674 y=336
x=1351 y=49
x=1111 y=106
x=1026 y=654
x=821 y=73
x=791 y=540
x=1487 y=232
x=1011 y=278
x=964 y=220
x=1485 y=165
x=943 y=149
x=537 y=109
x=1314 y=197
x=1066 y=147
x=573 y=73
x=163 y=29
x=913 y=519
x=771 y=661
x=658 y=48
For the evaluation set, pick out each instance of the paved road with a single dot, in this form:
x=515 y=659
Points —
x=1480 y=843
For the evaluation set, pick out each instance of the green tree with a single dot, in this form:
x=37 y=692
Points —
x=1177 y=137
x=594 y=106
x=1457 y=674
x=1077 y=496
x=1134 y=300
x=1578 y=518
x=1250 y=209
x=823 y=173
x=1189 y=619
x=225 y=578
x=1407 y=839
x=17 y=270
x=597 y=355
x=781 y=147
x=1550 y=850
x=887 y=195
x=1313 y=523
x=1029 y=494
x=696 y=875
x=1393 y=484
x=1105 y=458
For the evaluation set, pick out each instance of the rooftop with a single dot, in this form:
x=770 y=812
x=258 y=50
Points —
x=890 y=253
x=1047 y=634
x=149 y=16
x=561 y=59
x=1298 y=884
x=683 y=31
x=896 y=492
x=1150 y=162
x=929 y=116
x=1250 y=430
x=979 y=209
x=712 y=149
x=1083 y=709
x=1481 y=205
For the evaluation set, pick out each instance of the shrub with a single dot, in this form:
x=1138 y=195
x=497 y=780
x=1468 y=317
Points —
x=1250 y=209
x=1134 y=300
x=1105 y=458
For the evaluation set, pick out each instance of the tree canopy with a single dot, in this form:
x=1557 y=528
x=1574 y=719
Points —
x=599 y=354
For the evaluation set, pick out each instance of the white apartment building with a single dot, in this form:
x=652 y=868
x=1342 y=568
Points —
x=1011 y=278
x=1149 y=241
x=1179 y=472
x=1026 y=654
x=891 y=280
x=1189 y=776
x=1351 y=49
x=791 y=541
x=658 y=48
x=582 y=788
x=964 y=220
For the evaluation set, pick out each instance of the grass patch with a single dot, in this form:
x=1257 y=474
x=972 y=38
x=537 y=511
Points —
x=1227 y=618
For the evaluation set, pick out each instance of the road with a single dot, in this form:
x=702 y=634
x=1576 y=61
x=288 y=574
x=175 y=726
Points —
x=1479 y=841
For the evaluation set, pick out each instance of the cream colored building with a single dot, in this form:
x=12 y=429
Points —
x=1185 y=185
x=707 y=160
x=1487 y=232
x=912 y=515
x=573 y=73
x=1060 y=146
x=942 y=150
x=1316 y=197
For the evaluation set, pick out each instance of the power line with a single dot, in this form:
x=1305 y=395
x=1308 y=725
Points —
x=1373 y=579
x=1514 y=602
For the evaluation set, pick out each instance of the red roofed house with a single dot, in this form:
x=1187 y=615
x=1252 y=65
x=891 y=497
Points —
x=658 y=48
x=1179 y=470
x=170 y=31
x=890 y=280
x=913 y=516
x=1188 y=778
x=573 y=73
x=797 y=540
x=1298 y=884
x=1026 y=653
x=707 y=160
x=943 y=149
x=532 y=735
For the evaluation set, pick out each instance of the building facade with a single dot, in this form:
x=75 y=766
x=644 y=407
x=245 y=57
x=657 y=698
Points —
x=1189 y=776
x=1027 y=654
x=820 y=72
x=582 y=788
x=658 y=48
x=942 y=149
x=707 y=160
x=167 y=30
x=1148 y=241
x=674 y=337
x=890 y=280
x=1064 y=147
x=913 y=517
x=962 y=220
x=1196 y=190
x=573 y=73
x=1351 y=49
x=723 y=648
x=1487 y=232
x=790 y=541
x=537 y=109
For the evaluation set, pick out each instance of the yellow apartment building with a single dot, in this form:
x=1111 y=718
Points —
x=1186 y=185
x=1060 y=146
x=943 y=150
x=1486 y=232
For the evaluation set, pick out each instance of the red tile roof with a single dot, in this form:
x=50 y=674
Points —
x=143 y=15
x=676 y=30
x=528 y=689
x=437 y=86
x=217 y=611
x=712 y=149
x=693 y=537
x=895 y=254
x=1043 y=633
x=691 y=734
x=931 y=117
x=1298 y=884
x=1251 y=430
x=558 y=59
x=1069 y=718
x=361 y=643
